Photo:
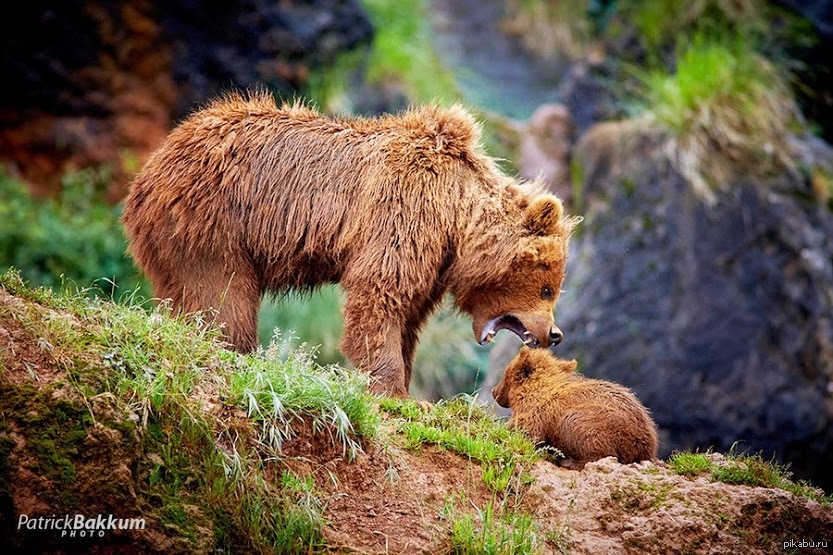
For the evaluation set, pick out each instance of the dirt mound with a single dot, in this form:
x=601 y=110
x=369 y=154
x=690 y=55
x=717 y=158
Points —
x=67 y=449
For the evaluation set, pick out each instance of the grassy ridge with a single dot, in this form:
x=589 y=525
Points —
x=211 y=423
x=168 y=373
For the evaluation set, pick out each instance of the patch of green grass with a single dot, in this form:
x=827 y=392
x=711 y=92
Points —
x=274 y=390
x=559 y=539
x=291 y=521
x=754 y=470
x=690 y=464
x=727 y=110
x=745 y=469
x=488 y=533
x=447 y=360
x=403 y=51
x=464 y=426
x=658 y=24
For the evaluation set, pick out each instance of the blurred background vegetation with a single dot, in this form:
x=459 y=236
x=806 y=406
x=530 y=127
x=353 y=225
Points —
x=725 y=78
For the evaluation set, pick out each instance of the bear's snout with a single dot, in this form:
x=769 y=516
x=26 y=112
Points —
x=556 y=336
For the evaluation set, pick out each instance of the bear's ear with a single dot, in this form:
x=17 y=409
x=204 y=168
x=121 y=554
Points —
x=543 y=216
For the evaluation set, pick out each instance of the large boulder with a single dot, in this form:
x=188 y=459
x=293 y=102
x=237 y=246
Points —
x=719 y=316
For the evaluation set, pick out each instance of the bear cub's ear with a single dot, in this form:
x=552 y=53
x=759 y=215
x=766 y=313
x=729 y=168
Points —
x=543 y=216
x=526 y=366
x=568 y=366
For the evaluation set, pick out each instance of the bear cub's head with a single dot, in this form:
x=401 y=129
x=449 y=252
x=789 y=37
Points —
x=529 y=367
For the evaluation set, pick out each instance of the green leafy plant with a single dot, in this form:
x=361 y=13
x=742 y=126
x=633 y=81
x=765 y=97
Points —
x=76 y=237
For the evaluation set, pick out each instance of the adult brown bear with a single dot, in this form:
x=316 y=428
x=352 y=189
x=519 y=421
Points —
x=246 y=197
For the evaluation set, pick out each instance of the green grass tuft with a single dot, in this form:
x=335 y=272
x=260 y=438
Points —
x=275 y=390
x=313 y=320
x=464 y=426
x=727 y=110
x=487 y=533
x=745 y=469
x=690 y=464
x=657 y=24
x=403 y=51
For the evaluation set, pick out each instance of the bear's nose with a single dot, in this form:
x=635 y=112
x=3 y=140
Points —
x=556 y=335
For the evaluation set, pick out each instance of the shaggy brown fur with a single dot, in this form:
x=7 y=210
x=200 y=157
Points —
x=585 y=419
x=246 y=197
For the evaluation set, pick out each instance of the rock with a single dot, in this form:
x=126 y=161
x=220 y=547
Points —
x=544 y=148
x=91 y=82
x=720 y=318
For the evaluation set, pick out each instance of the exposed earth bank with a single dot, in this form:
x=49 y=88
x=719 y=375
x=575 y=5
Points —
x=67 y=448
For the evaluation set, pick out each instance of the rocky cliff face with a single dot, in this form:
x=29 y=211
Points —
x=719 y=317
x=89 y=82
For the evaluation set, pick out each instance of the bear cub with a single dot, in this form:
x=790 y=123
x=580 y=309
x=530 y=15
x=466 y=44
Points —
x=586 y=419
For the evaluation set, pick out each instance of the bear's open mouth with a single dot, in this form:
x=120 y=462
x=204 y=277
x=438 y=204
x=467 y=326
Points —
x=507 y=322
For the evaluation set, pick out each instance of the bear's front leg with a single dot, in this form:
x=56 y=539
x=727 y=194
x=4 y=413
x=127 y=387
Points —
x=372 y=341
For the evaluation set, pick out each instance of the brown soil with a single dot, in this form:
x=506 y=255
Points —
x=391 y=500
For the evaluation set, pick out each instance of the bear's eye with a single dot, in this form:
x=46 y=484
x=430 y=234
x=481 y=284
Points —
x=546 y=293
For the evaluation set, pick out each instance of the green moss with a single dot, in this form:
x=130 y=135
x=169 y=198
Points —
x=7 y=445
x=174 y=516
x=659 y=492
x=54 y=429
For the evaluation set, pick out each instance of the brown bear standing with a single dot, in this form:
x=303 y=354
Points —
x=583 y=418
x=246 y=197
